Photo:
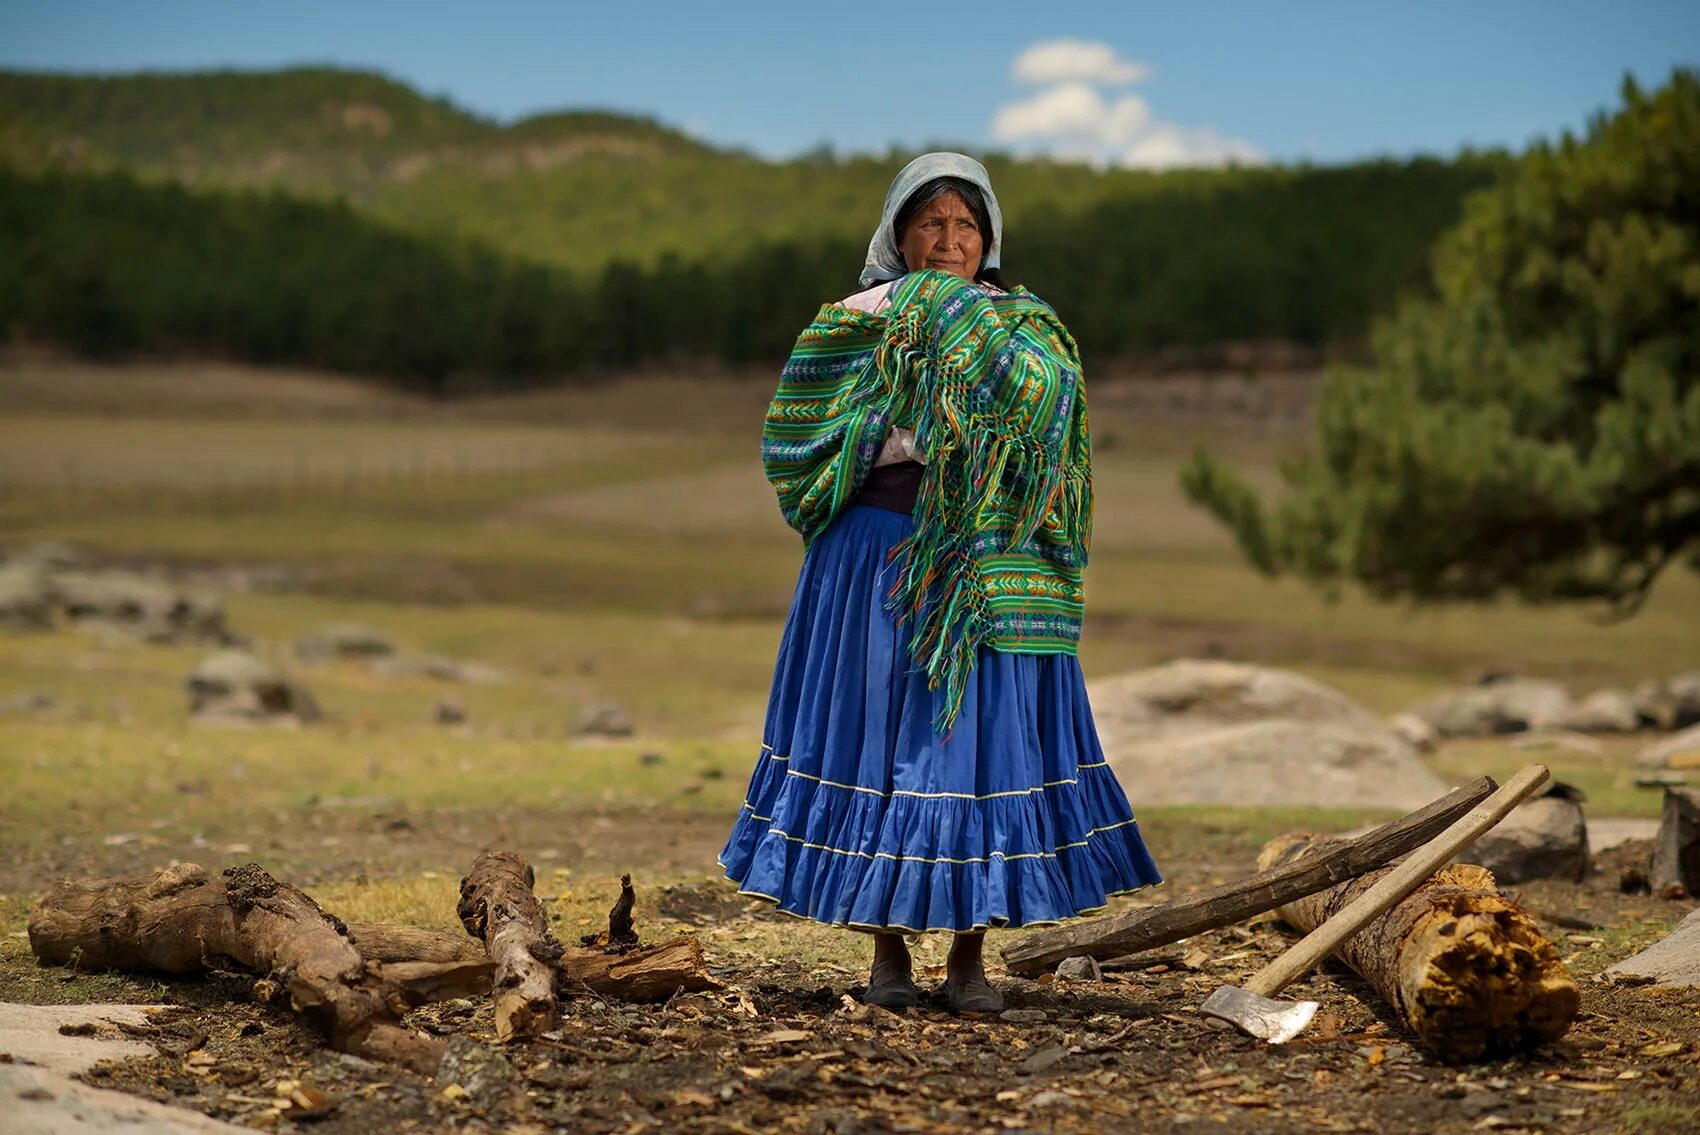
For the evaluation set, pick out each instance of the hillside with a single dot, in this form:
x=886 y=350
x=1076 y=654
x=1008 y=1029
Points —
x=578 y=189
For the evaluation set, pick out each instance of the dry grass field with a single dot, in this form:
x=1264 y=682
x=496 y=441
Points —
x=613 y=545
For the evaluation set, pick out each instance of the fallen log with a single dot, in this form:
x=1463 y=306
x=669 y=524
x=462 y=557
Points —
x=497 y=907
x=1465 y=968
x=184 y=921
x=1133 y=931
x=394 y=942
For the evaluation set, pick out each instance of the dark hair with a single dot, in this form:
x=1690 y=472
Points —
x=972 y=197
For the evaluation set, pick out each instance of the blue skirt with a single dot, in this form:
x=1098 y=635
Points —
x=859 y=814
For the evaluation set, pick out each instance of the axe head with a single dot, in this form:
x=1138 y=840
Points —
x=1255 y=1015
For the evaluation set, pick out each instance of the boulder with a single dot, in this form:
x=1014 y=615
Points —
x=1678 y=751
x=1545 y=837
x=435 y=666
x=1676 y=848
x=1671 y=704
x=449 y=712
x=26 y=598
x=1505 y=704
x=342 y=640
x=150 y=609
x=1325 y=765
x=1414 y=731
x=233 y=686
x=1673 y=960
x=1194 y=695
x=605 y=721
x=1603 y=711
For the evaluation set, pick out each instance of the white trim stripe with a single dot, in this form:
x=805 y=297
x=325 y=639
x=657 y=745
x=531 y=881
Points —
x=945 y=858
x=768 y=753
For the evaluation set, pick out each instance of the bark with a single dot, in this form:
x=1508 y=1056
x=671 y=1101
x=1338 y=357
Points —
x=184 y=921
x=1116 y=935
x=1465 y=968
x=497 y=907
x=393 y=942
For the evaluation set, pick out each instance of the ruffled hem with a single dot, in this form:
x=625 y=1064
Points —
x=847 y=855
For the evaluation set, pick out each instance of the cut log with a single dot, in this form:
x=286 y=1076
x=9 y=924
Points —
x=647 y=973
x=183 y=921
x=1115 y=935
x=1676 y=849
x=1466 y=969
x=497 y=907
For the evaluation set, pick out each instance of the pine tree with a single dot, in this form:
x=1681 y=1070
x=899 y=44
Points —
x=1533 y=426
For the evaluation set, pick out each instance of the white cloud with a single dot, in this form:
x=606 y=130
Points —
x=1060 y=60
x=1073 y=118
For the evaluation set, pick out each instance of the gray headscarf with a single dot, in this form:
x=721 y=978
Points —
x=884 y=261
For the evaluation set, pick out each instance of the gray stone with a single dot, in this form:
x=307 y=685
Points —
x=435 y=666
x=1081 y=967
x=449 y=712
x=1676 y=849
x=148 y=609
x=1673 y=960
x=1023 y=1016
x=342 y=640
x=606 y=721
x=1196 y=695
x=1043 y=1060
x=41 y=1102
x=1414 y=731
x=31 y=1032
x=49 y=555
x=1543 y=838
x=1324 y=765
x=1679 y=749
x=26 y=599
x=1603 y=711
x=236 y=686
x=1673 y=703
x=1500 y=705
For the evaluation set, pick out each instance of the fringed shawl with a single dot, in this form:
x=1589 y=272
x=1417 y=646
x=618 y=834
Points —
x=992 y=387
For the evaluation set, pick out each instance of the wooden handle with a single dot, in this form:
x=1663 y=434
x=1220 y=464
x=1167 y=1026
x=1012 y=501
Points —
x=1393 y=887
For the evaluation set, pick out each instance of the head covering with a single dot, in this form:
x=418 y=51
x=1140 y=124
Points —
x=884 y=261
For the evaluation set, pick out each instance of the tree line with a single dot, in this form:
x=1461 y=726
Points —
x=108 y=264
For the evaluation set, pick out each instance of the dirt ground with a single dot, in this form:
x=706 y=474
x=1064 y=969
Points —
x=786 y=1046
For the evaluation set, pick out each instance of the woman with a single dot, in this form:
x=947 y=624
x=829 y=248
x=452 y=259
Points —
x=930 y=761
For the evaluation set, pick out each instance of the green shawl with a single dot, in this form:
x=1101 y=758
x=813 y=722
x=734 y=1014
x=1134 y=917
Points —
x=992 y=387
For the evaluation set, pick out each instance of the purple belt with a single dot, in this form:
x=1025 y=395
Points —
x=892 y=487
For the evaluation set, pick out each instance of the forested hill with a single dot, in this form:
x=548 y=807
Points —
x=215 y=211
x=579 y=189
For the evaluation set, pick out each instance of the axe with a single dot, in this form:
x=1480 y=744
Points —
x=1254 y=1008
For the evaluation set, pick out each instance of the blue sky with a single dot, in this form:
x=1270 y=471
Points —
x=1132 y=82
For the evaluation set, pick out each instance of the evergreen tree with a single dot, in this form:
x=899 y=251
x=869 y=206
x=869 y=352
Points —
x=1533 y=427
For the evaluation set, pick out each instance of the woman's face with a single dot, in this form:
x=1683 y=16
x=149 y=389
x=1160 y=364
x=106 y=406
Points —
x=943 y=235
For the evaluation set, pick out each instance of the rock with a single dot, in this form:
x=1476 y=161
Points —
x=151 y=610
x=1673 y=960
x=1079 y=968
x=1501 y=705
x=1671 y=704
x=31 y=1032
x=47 y=1103
x=1414 y=731
x=236 y=686
x=342 y=640
x=1022 y=1016
x=28 y=702
x=1680 y=750
x=26 y=599
x=449 y=712
x=1195 y=695
x=1043 y=1060
x=435 y=666
x=1676 y=848
x=1265 y=763
x=1603 y=711
x=606 y=721
x=1545 y=837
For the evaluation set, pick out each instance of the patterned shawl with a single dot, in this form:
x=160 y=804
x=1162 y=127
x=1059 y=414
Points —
x=992 y=387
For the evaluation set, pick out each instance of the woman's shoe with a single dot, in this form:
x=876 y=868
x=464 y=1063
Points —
x=972 y=997
x=890 y=986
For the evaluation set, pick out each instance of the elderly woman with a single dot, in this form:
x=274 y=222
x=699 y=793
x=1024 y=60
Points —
x=930 y=761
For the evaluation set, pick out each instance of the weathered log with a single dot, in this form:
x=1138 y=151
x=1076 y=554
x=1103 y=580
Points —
x=1130 y=932
x=394 y=942
x=183 y=921
x=497 y=907
x=647 y=973
x=1676 y=849
x=422 y=983
x=1465 y=968
x=620 y=935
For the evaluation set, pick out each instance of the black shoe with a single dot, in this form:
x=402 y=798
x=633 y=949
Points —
x=891 y=991
x=976 y=996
